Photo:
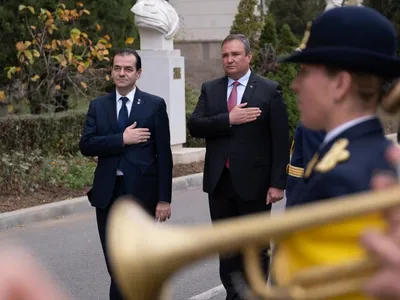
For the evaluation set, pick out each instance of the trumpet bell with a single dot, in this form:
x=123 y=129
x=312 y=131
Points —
x=130 y=231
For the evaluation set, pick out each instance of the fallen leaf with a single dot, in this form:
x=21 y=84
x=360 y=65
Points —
x=81 y=69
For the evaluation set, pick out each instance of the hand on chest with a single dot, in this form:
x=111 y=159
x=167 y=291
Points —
x=246 y=105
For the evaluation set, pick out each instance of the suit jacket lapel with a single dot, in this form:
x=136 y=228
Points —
x=250 y=88
x=112 y=111
x=221 y=94
x=138 y=105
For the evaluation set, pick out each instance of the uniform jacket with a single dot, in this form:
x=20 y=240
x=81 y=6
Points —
x=305 y=145
x=346 y=164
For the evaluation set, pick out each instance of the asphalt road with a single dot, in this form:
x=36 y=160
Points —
x=70 y=249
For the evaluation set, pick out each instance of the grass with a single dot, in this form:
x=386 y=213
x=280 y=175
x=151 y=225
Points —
x=21 y=173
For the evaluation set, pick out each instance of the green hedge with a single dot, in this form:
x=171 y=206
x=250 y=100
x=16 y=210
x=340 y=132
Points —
x=51 y=134
x=191 y=141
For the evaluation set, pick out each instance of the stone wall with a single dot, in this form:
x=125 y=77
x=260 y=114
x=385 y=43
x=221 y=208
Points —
x=202 y=60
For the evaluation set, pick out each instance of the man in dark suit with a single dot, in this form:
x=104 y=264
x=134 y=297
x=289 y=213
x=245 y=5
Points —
x=243 y=118
x=128 y=130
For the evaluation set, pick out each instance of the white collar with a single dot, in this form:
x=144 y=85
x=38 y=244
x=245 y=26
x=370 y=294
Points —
x=243 y=80
x=338 y=130
x=130 y=95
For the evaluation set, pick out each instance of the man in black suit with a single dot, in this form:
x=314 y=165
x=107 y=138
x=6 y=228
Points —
x=243 y=118
x=128 y=130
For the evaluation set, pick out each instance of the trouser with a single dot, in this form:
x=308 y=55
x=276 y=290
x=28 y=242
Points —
x=225 y=203
x=102 y=216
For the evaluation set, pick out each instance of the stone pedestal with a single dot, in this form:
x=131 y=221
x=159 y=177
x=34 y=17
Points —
x=189 y=155
x=151 y=39
x=163 y=74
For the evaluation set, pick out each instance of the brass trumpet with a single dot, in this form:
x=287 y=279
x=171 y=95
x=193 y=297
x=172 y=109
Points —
x=143 y=256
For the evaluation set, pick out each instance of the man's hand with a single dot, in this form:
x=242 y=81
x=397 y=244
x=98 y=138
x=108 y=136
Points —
x=274 y=195
x=163 y=211
x=240 y=115
x=23 y=278
x=133 y=135
x=385 y=247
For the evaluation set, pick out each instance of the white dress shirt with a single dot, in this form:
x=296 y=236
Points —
x=130 y=96
x=240 y=88
x=338 y=130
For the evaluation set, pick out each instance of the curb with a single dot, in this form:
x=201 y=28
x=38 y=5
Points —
x=19 y=218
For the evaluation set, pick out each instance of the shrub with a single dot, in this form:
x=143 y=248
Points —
x=268 y=33
x=268 y=43
x=287 y=41
x=57 y=58
x=21 y=173
x=119 y=24
x=51 y=134
x=191 y=141
x=18 y=172
x=284 y=75
x=295 y=13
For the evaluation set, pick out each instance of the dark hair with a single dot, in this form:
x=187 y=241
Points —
x=239 y=37
x=130 y=51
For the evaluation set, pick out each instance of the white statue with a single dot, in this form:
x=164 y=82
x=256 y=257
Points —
x=158 y=15
x=337 y=3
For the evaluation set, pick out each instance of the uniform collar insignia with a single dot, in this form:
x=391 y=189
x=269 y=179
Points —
x=336 y=154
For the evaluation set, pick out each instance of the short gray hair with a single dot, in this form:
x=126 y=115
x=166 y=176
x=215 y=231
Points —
x=239 y=37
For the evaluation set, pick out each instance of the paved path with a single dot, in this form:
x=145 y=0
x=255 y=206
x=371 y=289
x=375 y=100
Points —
x=70 y=249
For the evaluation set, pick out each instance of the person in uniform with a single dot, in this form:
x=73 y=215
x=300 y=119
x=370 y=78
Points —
x=349 y=68
x=305 y=144
x=348 y=57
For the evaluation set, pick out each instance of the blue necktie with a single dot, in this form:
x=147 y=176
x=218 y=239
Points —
x=123 y=115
